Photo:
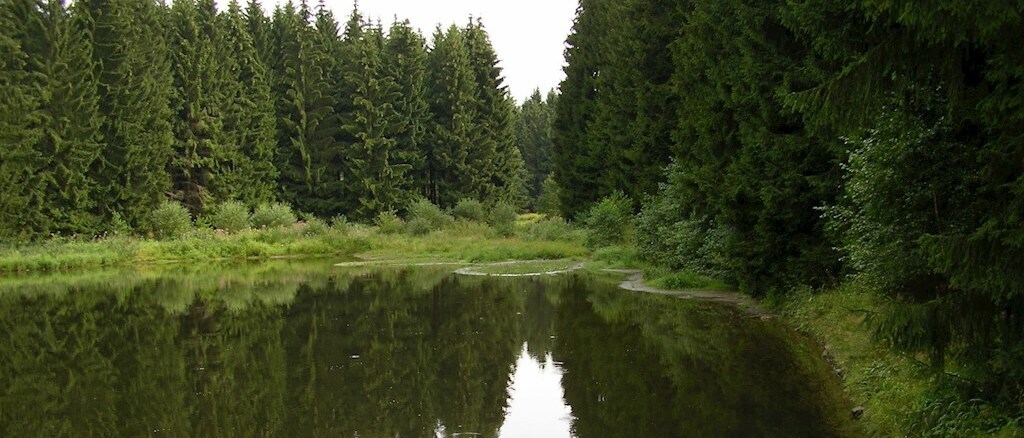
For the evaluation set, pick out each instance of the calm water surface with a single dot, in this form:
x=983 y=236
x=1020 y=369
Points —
x=292 y=349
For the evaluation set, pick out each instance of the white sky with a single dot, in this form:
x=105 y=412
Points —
x=529 y=35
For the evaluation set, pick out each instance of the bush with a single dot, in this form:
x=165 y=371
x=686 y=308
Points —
x=427 y=216
x=314 y=227
x=388 y=222
x=232 y=216
x=470 y=210
x=608 y=221
x=502 y=218
x=551 y=229
x=547 y=200
x=170 y=220
x=118 y=226
x=273 y=215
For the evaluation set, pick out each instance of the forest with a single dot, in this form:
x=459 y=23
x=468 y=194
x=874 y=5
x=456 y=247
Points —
x=783 y=148
x=782 y=145
x=114 y=106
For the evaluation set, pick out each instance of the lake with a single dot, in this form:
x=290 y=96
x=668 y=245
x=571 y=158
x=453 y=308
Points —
x=304 y=348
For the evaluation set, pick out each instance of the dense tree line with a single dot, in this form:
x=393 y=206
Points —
x=787 y=143
x=111 y=106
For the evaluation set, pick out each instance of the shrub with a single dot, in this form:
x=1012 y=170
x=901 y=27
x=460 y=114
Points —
x=273 y=215
x=169 y=220
x=551 y=229
x=502 y=218
x=231 y=216
x=547 y=200
x=428 y=216
x=314 y=227
x=388 y=222
x=118 y=226
x=470 y=210
x=608 y=221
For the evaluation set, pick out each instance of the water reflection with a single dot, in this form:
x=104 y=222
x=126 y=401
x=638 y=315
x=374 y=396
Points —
x=304 y=349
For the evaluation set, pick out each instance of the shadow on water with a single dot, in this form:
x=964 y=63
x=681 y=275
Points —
x=292 y=348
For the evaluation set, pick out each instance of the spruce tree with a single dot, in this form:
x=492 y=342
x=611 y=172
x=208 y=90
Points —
x=72 y=140
x=495 y=160
x=249 y=121
x=376 y=174
x=451 y=94
x=533 y=138
x=135 y=90
x=405 y=61
x=21 y=187
x=579 y=165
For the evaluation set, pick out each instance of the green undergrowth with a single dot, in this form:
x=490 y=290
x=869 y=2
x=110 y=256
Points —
x=471 y=242
x=901 y=395
x=457 y=241
x=527 y=267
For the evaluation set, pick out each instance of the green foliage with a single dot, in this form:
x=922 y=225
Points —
x=552 y=229
x=314 y=226
x=608 y=221
x=502 y=218
x=170 y=220
x=388 y=222
x=470 y=209
x=423 y=217
x=273 y=215
x=547 y=200
x=232 y=216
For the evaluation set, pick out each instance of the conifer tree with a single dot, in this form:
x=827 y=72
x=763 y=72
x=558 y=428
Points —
x=249 y=125
x=21 y=187
x=451 y=94
x=199 y=81
x=579 y=165
x=405 y=61
x=377 y=175
x=133 y=70
x=307 y=123
x=533 y=138
x=494 y=158
x=71 y=140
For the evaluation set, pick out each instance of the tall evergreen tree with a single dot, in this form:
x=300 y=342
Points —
x=533 y=137
x=579 y=165
x=72 y=139
x=249 y=174
x=451 y=93
x=494 y=159
x=405 y=61
x=135 y=91
x=377 y=175
x=21 y=187
x=307 y=122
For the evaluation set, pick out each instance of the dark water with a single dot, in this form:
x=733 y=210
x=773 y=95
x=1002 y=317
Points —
x=304 y=349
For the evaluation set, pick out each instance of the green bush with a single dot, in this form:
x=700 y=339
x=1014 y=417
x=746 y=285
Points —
x=547 y=200
x=470 y=210
x=273 y=215
x=314 y=227
x=388 y=222
x=118 y=226
x=608 y=221
x=502 y=218
x=552 y=229
x=427 y=216
x=170 y=220
x=231 y=216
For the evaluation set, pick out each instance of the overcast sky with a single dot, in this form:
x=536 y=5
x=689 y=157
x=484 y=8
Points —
x=529 y=35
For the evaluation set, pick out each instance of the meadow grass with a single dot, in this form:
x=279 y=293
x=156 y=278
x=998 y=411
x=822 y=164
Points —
x=461 y=241
x=889 y=385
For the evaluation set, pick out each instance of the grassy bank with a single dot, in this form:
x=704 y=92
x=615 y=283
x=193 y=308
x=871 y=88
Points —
x=901 y=394
x=459 y=241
